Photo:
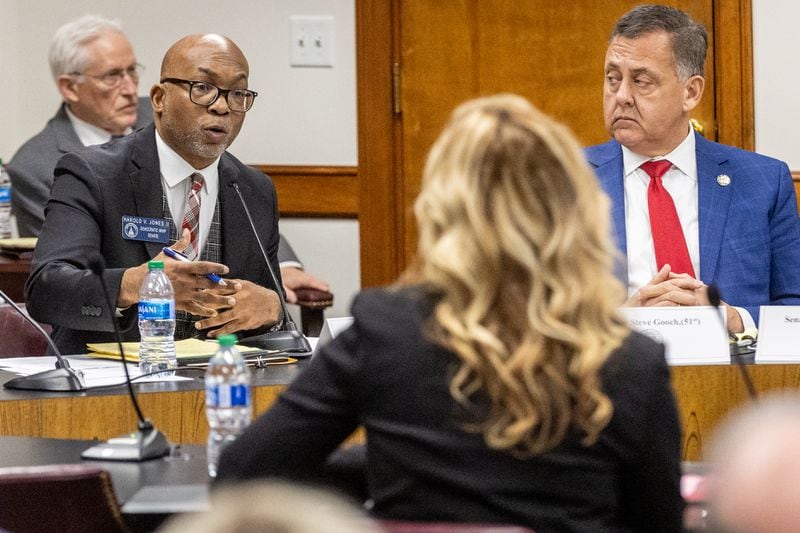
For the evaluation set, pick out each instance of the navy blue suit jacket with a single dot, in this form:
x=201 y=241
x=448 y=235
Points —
x=749 y=229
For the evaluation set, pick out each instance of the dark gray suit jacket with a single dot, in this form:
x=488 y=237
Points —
x=31 y=168
x=93 y=189
x=31 y=171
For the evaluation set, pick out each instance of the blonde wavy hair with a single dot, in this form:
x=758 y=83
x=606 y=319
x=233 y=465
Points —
x=514 y=234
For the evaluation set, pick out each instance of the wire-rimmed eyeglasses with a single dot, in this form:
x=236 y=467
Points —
x=114 y=78
x=205 y=94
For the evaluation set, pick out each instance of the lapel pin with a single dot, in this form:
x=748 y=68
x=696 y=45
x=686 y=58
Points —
x=723 y=180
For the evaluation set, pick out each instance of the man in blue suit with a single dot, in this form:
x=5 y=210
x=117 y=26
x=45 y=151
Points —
x=733 y=213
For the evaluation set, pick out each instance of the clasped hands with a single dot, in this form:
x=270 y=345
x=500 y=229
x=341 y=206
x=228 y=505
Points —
x=670 y=289
x=240 y=306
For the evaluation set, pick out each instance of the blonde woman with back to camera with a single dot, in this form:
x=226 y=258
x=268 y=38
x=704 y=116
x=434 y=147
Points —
x=496 y=382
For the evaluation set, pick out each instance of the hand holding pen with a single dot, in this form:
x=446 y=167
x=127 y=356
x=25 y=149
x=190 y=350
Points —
x=174 y=254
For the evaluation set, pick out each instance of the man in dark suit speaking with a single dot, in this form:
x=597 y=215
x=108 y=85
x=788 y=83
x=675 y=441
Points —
x=126 y=199
x=95 y=70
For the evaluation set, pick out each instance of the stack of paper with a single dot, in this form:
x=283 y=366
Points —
x=186 y=350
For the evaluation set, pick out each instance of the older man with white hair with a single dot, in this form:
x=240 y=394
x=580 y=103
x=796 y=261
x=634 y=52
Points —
x=96 y=73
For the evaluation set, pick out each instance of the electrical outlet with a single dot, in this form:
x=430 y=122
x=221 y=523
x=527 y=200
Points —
x=311 y=41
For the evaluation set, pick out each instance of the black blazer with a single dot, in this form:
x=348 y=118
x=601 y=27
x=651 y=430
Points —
x=422 y=465
x=92 y=191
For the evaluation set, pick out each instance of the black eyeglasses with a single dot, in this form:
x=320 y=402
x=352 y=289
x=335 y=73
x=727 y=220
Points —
x=203 y=93
x=114 y=78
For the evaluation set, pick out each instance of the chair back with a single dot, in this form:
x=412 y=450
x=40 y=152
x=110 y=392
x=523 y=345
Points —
x=17 y=337
x=66 y=498
x=403 y=526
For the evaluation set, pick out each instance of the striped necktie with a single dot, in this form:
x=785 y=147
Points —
x=668 y=239
x=191 y=216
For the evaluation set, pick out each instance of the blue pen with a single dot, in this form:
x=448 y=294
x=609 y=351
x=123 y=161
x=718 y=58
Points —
x=180 y=257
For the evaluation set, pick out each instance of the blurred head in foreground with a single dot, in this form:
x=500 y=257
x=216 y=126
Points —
x=755 y=465
x=514 y=234
x=274 y=507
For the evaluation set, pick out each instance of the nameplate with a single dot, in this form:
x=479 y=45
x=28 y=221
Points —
x=691 y=335
x=145 y=229
x=778 y=334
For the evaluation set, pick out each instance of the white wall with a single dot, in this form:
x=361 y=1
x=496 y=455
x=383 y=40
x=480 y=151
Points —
x=776 y=57
x=302 y=115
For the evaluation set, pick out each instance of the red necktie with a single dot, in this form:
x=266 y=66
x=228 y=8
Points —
x=191 y=217
x=668 y=239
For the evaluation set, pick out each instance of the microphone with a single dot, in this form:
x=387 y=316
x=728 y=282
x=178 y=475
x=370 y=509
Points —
x=715 y=299
x=62 y=378
x=147 y=442
x=288 y=339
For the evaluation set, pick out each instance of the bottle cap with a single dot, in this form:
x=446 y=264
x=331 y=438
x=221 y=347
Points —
x=227 y=340
x=153 y=265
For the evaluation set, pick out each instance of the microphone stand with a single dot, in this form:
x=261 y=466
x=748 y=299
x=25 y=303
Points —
x=147 y=442
x=715 y=299
x=288 y=339
x=63 y=378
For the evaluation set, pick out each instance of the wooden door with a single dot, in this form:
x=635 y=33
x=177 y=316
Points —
x=441 y=52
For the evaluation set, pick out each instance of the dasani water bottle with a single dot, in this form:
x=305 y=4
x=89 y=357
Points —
x=228 y=405
x=157 y=321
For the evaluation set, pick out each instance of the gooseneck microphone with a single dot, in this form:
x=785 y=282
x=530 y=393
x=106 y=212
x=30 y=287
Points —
x=147 y=442
x=715 y=299
x=288 y=339
x=62 y=378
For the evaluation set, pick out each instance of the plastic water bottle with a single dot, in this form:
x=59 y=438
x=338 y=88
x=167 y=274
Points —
x=228 y=405
x=5 y=202
x=157 y=321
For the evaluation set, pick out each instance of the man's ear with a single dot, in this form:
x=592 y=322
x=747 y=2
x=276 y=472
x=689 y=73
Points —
x=694 y=92
x=157 y=95
x=68 y=88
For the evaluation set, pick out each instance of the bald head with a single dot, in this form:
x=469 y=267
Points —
x=755 y=460
x=199 y=75
x=193 y=45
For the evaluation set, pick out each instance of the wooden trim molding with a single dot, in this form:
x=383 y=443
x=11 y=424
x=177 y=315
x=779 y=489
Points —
x=315 y=191
x=796 y=175
x=733 y=76
x=377 y=24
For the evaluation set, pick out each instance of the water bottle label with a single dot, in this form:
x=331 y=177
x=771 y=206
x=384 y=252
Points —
x=156 y=310
x=5 y=194
x=228 y=396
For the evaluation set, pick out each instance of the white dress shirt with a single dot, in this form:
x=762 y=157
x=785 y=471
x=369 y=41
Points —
x=681 y=183
x=89 y=134
x=175 y=173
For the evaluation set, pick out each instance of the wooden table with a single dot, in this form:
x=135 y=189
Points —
x=176 y=408
x=705 y=395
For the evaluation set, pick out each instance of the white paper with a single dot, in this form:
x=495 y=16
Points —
x=778 y=334
x=96 y=372
x=691 y=335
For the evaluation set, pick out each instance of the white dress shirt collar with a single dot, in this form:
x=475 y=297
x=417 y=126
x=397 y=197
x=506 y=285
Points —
x=175 y=172
x=682 y=157
x=89 y=134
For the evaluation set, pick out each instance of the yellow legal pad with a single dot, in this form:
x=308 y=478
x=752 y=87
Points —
x=19 y=243
x=186 y=350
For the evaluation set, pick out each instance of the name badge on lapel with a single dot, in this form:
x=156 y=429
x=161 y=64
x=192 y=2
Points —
x=145 y=229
